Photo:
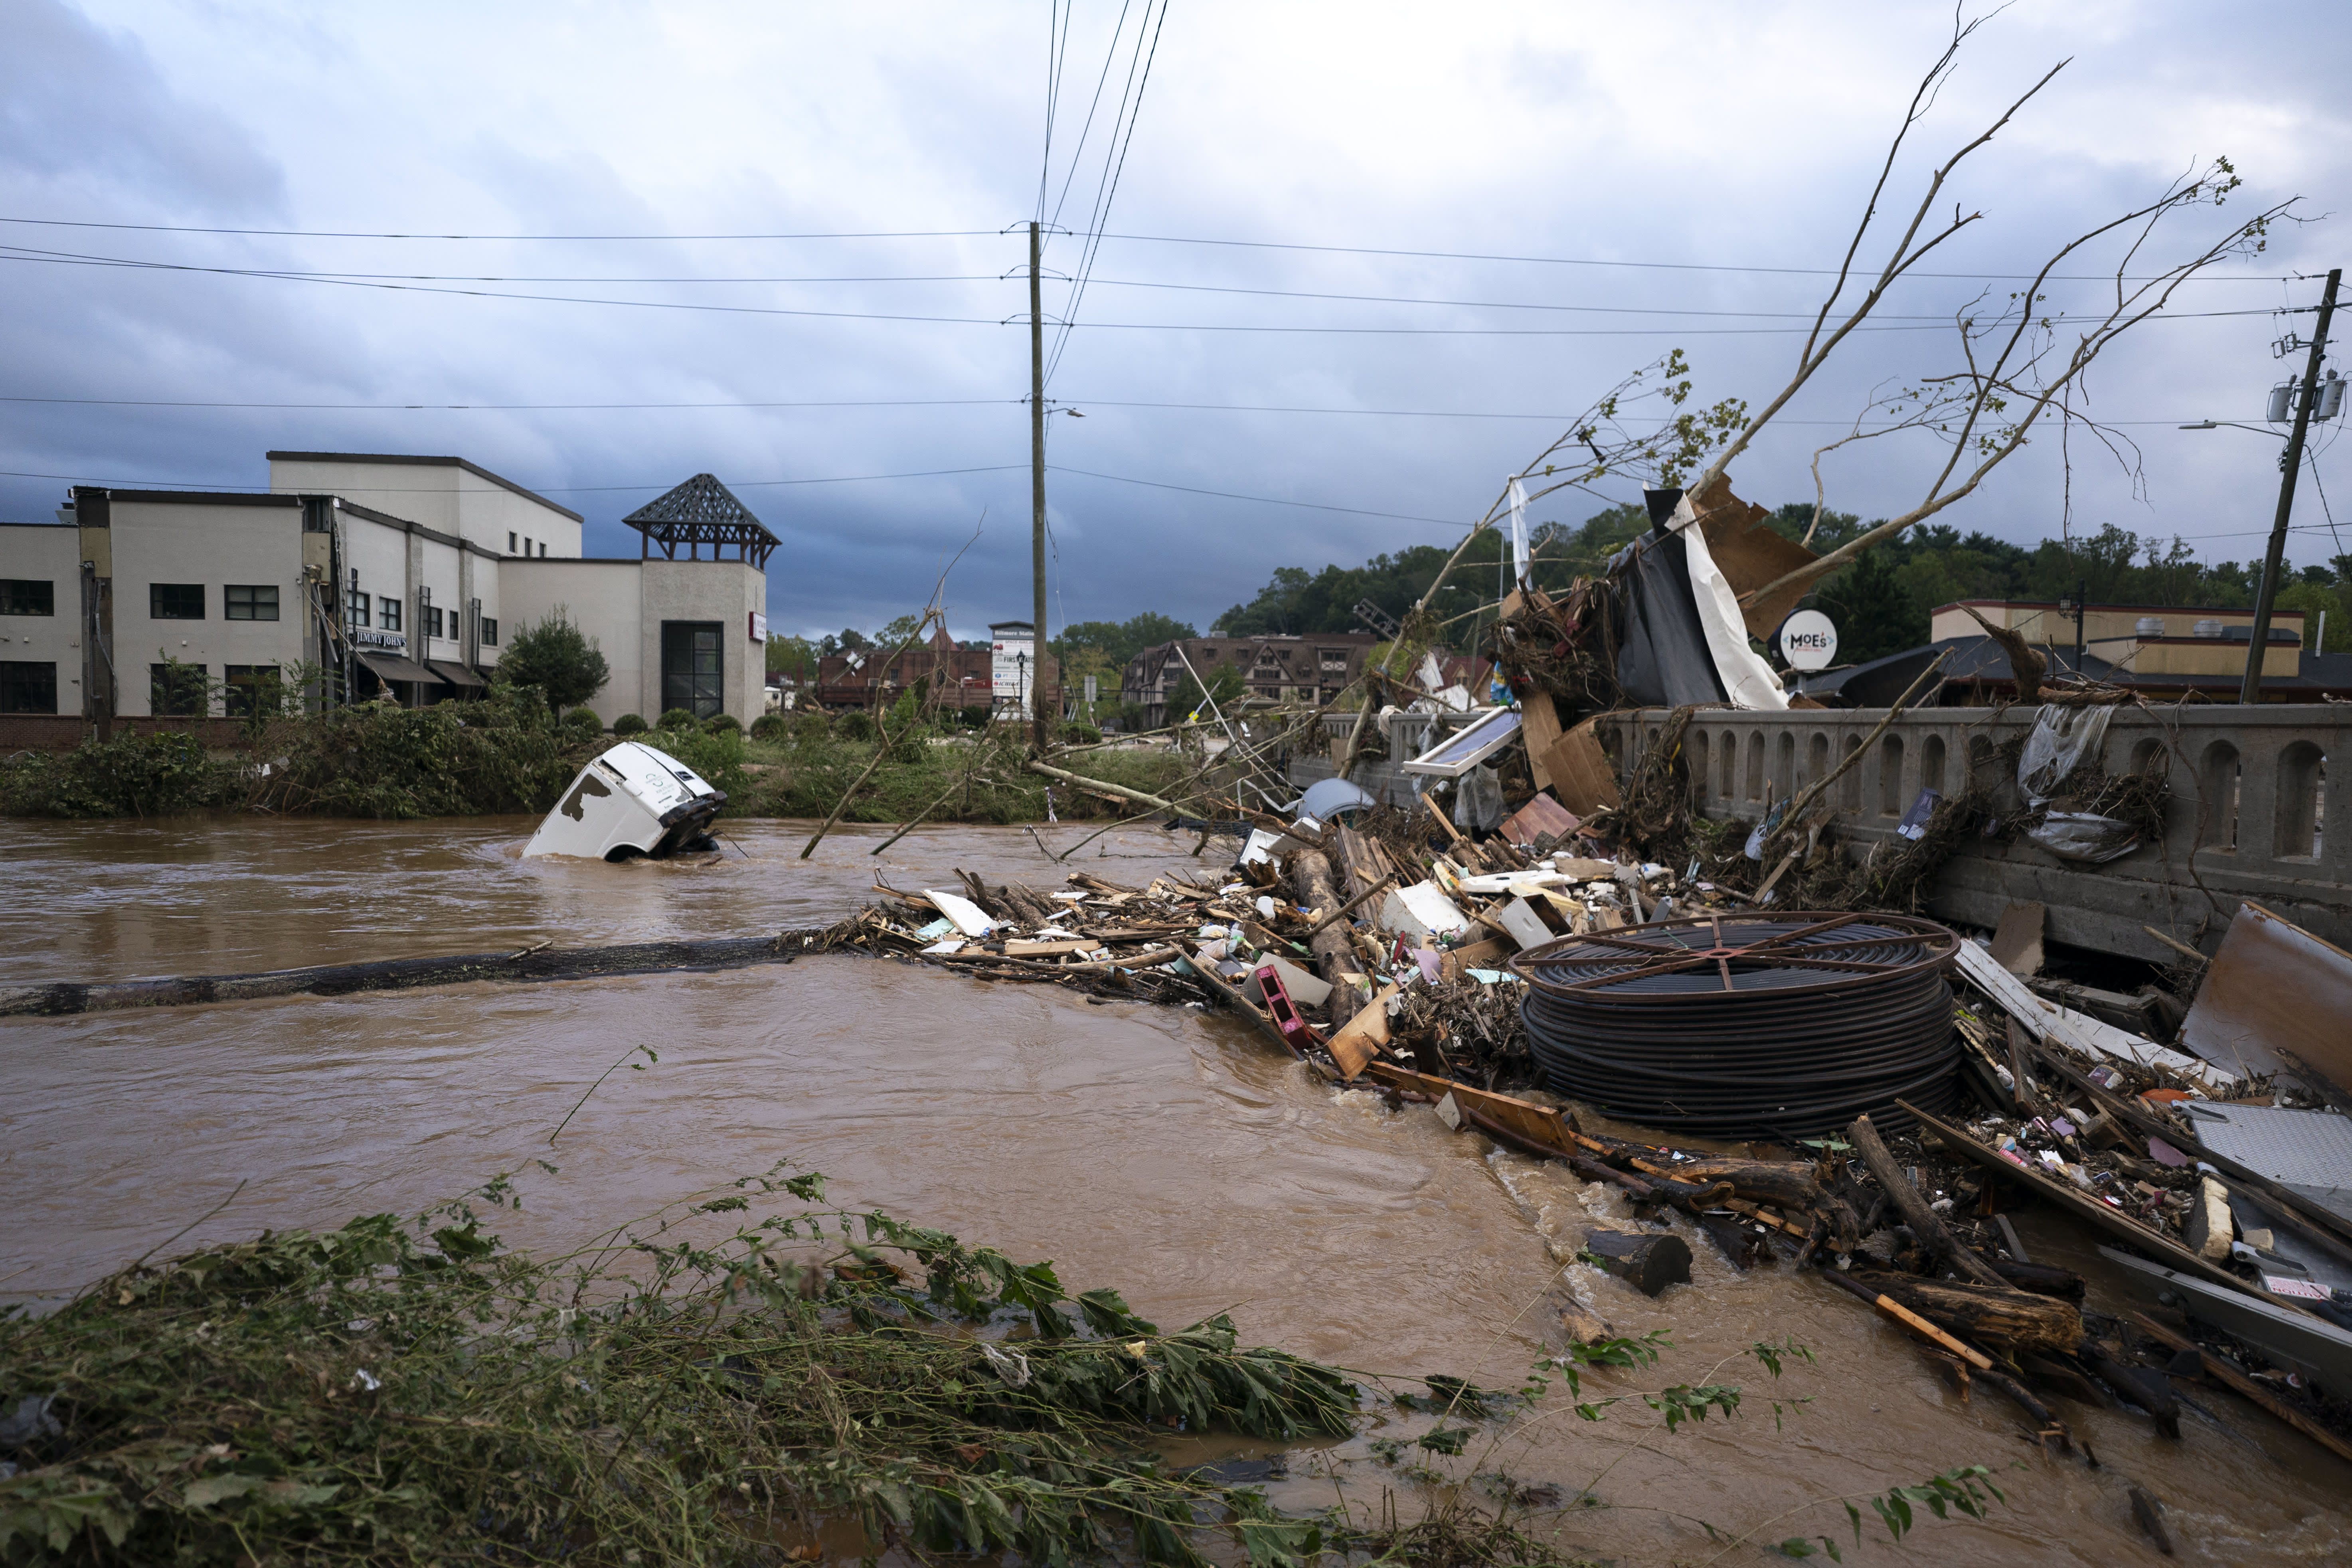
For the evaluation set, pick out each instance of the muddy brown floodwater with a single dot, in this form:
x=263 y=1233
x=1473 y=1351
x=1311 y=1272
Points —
x=1168 y=1152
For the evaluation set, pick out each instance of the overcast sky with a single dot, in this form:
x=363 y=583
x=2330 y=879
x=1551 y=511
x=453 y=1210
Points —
x=1726 y=150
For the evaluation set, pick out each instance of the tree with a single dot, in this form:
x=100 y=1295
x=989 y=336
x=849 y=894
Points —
x=559 y=658
x=1224 y=684
x=795 y=657
x=1118 y=641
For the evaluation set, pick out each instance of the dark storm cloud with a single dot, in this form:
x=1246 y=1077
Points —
x=1683 y=134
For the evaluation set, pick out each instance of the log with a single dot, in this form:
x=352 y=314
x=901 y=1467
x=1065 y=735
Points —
x=1909 y=1320
x=2041 y=1279
x=1645 y=1261
x=2143 y=1388
x=1783 y=1184
x=1335 y=955
x=1925 y=1222
x=1579 y=1323
x=2246 y=1386
x=1987 y=1313
x=1740 y=1246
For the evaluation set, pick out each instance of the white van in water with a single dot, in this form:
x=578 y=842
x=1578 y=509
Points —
x=631 y=800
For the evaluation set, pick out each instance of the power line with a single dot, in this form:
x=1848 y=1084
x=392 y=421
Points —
x=877 y=403
x=1270 y=501
x=1934 y=324
x=1138 y=238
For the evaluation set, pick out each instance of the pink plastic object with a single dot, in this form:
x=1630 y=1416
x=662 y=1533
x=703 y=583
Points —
x=1297 y=1032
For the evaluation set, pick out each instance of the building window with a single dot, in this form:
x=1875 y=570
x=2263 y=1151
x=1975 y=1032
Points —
x=28 y=687
x=525 y=547
x=28 y=597
x=388 y=614
x=247 y=686
x=175 y=601
x=249 y=602
x=510 y=541
x=359 y=608
x=490 y=632
x=176 y=691
x=432 y=620
x=542 y=550
x=694 y=670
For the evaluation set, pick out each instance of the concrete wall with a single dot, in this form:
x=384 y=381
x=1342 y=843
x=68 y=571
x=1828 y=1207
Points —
x=442 y=493
x=213 y=543
x=46 y=553
x=2248 y=816
x=604 y=598
x=722 y=591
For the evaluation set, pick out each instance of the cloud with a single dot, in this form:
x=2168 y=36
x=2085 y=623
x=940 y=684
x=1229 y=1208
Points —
x=1681 y=133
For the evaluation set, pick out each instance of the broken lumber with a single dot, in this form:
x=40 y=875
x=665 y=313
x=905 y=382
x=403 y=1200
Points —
x=1334 y=954
x=2229 y=1376
x=1925 y=1222
x=2014 y=1319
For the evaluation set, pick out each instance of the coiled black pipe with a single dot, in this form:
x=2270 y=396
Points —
x=1787 y=1024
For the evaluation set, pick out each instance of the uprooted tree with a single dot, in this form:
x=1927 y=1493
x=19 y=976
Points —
x=2013 y=365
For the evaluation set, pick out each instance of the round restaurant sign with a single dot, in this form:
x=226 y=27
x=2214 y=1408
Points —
x=1808 y=640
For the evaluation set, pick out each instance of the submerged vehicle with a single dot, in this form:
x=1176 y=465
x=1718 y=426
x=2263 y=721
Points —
x=629 y=801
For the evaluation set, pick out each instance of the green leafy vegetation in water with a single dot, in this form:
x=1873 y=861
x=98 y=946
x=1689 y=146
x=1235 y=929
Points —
x=503 y=753
x=394 y=1392
x=162 y=774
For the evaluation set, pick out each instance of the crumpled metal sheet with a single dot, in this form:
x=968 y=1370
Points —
x=2274 y=991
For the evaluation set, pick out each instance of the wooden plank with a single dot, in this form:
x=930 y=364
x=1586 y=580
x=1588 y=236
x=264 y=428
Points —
x=2215 y=1367
x=2113 y=1221
x=1049 y=949
x=1540 y=722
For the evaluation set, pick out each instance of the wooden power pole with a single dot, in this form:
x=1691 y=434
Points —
x=1036 y=692
x=2258 y=644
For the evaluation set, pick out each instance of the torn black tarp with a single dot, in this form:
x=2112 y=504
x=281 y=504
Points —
x=1662 y=660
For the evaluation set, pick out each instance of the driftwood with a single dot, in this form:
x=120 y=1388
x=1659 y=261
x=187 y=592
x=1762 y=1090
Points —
x=1334 y=954
x=1649 y=1261
x=2246 y=1386
x=2041 y=1278
x=406 y=973
x=2014 y=1319
x=1783 y=1184
x=2144 y=1387
x=1925 y=1222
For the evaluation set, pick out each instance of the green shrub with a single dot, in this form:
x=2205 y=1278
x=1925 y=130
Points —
x=583 y=721
x=373 y=759
x=855 y=725
x=768 y=726
x=676 y=719
x=1080 y=734
x=130 y=776
x=812 y=724
x=629 y=725
x=722 y=723
x=556 y=657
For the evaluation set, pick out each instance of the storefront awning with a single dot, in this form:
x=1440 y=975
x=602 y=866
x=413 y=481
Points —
x=395 y=667
x=455 y=674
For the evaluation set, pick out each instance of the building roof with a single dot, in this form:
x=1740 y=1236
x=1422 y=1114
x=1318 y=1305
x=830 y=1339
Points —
x=1979 y=660
x=424 y=462
x=703 y=511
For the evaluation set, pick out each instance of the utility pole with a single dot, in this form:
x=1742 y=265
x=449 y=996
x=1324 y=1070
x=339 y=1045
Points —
x=1041 y=730
x=2258 y=644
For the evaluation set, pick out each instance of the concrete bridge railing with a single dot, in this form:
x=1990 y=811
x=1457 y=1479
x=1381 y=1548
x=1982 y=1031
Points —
x=2248 y=814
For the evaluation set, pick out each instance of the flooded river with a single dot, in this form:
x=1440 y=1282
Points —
x=1167 y=1151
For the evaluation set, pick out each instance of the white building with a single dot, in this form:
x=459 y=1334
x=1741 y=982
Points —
x=401 y=575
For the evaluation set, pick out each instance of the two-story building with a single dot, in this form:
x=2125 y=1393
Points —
x=1273 y=668
x=378 y=575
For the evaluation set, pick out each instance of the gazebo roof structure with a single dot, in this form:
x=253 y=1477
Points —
x=698 y=513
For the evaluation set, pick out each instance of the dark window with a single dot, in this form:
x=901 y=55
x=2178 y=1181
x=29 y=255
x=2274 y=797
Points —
x=542 y=550
x=249 y=602
x=28 y=597
x=177 y=689
x=245 y=684
x=175 y=601
x=511 y=543
x=388 y=614
x=490 y=632
x=433 y=620
x=28 y=687
x=694 y=673
x=359 y=607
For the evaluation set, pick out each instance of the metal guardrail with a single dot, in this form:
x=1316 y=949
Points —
x=2248 y=815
